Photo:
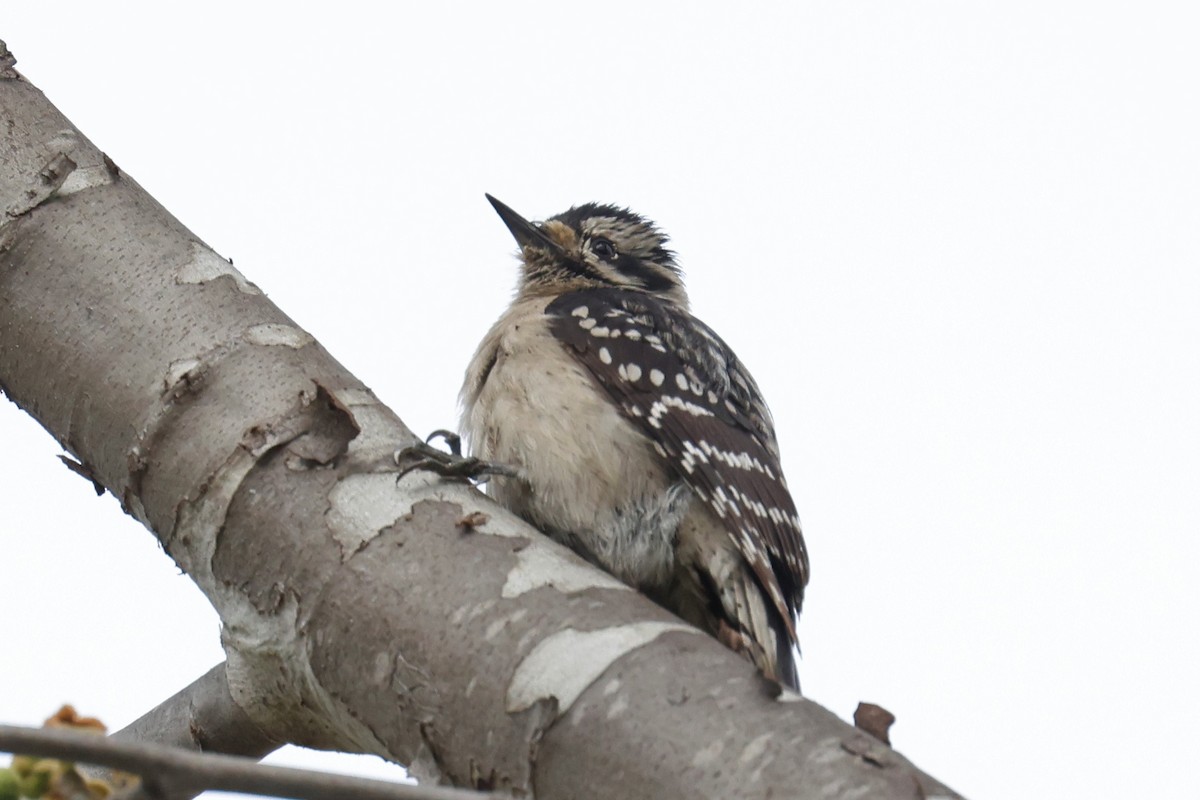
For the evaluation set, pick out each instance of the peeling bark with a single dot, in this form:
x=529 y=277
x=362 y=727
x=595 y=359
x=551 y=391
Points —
x=359 y=612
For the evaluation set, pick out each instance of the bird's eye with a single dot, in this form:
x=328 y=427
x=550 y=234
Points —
x=604 y=249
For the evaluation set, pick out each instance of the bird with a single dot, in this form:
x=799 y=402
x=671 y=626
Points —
x=622 y=426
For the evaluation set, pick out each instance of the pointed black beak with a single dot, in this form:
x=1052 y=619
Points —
x=525 y=232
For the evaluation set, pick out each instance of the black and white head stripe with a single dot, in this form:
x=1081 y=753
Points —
x=640 y=247
x=677 y=380
x=635 y=232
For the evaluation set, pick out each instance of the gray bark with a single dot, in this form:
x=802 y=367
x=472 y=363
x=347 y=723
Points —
x=359 y=612
x=201 y=717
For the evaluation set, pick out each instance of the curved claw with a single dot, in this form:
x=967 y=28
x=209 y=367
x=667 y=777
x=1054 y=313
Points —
x=423 y=455
x=452 y=440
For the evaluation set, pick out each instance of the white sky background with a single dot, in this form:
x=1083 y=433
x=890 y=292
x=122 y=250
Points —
x=956 y=242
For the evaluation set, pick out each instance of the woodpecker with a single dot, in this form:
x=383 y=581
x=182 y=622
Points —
x=628 y=430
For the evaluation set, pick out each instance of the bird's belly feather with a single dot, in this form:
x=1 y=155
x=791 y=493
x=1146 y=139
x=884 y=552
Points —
x=594 y=481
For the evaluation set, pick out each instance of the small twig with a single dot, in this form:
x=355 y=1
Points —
x=168 y=771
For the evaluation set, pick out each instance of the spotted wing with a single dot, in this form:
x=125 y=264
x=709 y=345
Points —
x=682 y=385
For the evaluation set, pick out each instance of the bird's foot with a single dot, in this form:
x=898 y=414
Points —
x=452 y=464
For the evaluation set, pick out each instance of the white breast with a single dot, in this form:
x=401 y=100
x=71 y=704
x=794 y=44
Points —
x=592 y=479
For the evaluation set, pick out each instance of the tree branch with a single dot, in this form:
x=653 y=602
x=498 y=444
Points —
x=360 y=612
x=171 y=772
x=201 y=717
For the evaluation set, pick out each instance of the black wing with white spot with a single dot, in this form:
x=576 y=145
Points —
x=676 y=379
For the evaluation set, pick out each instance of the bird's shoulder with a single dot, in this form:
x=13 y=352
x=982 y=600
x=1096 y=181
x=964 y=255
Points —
x=670 y=351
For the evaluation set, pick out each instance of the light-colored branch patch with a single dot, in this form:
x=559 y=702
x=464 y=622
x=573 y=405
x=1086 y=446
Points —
x=538 y=566
x=198 y=521
x=362 y=505
x=86 y=178
x=205 y=266
x=277 y=334
x=41 y=187
x=177 y=371
x=564 y=664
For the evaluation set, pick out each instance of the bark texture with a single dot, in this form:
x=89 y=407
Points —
x=201 y=717
x=413 y=618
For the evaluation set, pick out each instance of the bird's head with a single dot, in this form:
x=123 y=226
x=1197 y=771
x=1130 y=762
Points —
x=594 y=245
